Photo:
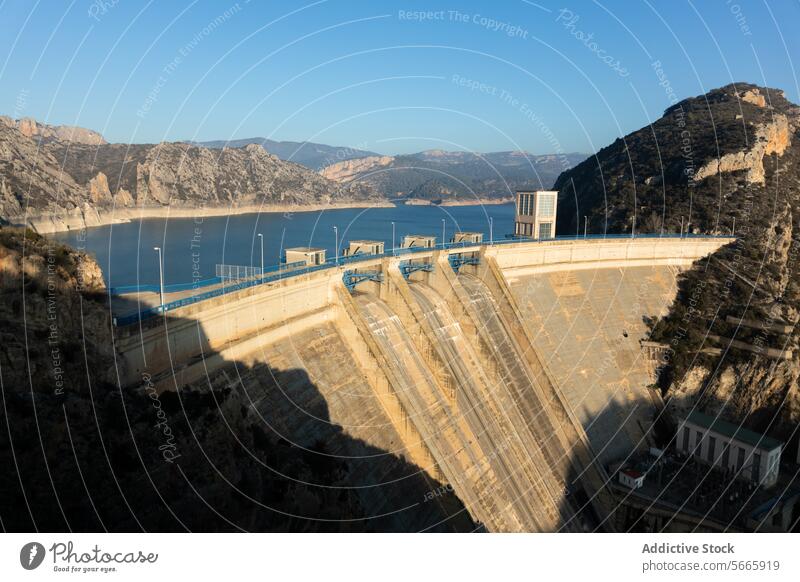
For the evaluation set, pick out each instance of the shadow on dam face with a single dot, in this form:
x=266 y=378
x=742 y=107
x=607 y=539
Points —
x=247 y=447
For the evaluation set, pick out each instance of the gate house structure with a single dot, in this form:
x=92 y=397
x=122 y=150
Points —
x=726 y=445
x=536 y=214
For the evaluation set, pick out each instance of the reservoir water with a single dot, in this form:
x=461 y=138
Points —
x=193 y=246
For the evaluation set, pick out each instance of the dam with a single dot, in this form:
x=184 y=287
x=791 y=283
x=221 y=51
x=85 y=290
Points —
x=511 y=374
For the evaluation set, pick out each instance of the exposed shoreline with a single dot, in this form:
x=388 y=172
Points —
x=477 y=202
x=458 y=202
x=51 y=223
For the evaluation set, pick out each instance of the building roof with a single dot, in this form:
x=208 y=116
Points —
x=304 y=250
x=632 y=473
x=734 y=431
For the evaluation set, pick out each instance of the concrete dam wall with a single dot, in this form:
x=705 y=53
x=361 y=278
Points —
x=489 y=395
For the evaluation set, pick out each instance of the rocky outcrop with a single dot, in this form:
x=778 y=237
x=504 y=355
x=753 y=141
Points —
x=66 y=133
x=348 y=170
x=753 y=96
x=770 y=138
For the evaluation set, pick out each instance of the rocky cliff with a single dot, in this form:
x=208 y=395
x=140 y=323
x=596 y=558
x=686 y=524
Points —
x=349 y=170
x=46 y=133
x=54 y=182
x=726 y=160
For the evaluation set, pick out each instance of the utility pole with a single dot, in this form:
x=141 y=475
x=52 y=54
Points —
x=585 y=225
x=261 y=239
x=733 y=228
x=336 y=249
x=681 y=226
x=160 y=280
x=443 y=233
x=491 y=230
x=393 y=239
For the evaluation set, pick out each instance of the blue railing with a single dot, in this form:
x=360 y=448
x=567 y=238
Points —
x=284 y=271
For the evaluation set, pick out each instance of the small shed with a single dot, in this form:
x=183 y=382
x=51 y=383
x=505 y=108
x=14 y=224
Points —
x=419 y=241
x=468 y=237
x=307 y=255
x=364 y=247
x=631 y=478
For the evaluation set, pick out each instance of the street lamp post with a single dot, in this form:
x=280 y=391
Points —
x=585 y=225
x=336 y=249
x=491 y=230
x=393 y=239
x=261 y=240
x=733 y=228
x=160 y=280
x=443 y=233
x=681 y=226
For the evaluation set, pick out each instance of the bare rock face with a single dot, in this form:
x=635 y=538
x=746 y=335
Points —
x=754 y=96
x=66 y=133
x=770 y=138
x=31 y=179
x=98 y=189
x=124 y=198
x=348 y=170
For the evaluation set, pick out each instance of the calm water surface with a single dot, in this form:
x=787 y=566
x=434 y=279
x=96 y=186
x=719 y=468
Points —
x=192 y=247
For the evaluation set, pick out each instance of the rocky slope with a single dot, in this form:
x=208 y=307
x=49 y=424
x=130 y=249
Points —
x=53 y=183
x=729 y=157
x=437 y=175
x=311 y=155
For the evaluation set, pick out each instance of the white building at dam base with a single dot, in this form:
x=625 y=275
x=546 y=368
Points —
x=723 y=444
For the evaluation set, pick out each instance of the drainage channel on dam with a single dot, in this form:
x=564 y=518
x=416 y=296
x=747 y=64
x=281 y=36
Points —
x=527 y=483
x=449 y=441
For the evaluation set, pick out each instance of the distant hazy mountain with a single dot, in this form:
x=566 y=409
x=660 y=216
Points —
x=311 y=155
x=443 y=175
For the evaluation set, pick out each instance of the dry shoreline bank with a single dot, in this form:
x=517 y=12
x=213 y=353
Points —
x=53 y=223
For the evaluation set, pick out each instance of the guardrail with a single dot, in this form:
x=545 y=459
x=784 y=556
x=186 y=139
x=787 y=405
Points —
x=286 y=270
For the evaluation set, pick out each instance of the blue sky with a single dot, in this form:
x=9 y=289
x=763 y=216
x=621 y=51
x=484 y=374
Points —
x=393 y=77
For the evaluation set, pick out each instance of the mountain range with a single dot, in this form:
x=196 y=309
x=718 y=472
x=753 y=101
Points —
x=437 y=175
x=60 y=177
